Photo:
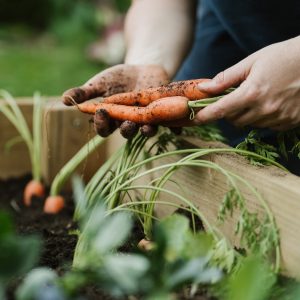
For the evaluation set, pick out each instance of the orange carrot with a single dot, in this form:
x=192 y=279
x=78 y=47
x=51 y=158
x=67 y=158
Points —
x=188 y=89
x=162 y=110
x=33 y=188
x=54 y=204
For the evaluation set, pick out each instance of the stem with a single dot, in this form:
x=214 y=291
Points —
x=183 y=199
x=97 y=182
x=37 y=136
x=197 y=152
x=269 y=214
x=64 y=174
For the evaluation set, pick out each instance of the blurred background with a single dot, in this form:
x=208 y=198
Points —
x=52 y=45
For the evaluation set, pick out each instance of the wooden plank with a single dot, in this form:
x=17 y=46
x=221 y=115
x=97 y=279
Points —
x=281 y=190
x=65 y=131
x=15 y=162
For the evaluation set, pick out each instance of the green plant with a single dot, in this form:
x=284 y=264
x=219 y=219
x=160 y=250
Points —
x=55 y=202
x=178 y=258
x=254 y=143
x=121 y=176
x=13 y=247
x=13 y=113
x=287 y=142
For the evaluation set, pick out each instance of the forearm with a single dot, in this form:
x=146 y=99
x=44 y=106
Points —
x=159 y=32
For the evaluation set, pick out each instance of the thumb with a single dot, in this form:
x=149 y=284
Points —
x=229 y=78
x=95 y=87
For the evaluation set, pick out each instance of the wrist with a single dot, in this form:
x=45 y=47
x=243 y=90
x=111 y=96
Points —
x=133 y=57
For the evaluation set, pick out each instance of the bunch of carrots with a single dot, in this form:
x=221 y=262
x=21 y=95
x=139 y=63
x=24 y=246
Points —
x=151 y=106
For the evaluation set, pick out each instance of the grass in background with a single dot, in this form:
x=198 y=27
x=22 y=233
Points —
x=48 y=68
x=51 y=60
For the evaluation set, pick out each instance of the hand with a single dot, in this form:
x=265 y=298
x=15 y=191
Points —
x=117 y=79
x=269 y=91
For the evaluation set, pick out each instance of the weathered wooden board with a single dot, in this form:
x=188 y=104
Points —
x=65 y=131
x=15 y=161
x=281 y=190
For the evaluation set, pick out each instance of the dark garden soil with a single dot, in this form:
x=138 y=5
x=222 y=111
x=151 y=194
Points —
x=58 y=243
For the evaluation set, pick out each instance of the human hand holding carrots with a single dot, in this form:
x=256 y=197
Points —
x=135 y=95
x=168 y=105
x=114 y=80
x=269 y=91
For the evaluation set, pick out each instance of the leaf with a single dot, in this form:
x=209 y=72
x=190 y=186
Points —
x=187 y=272
x=35 y=282
x=197 y=245
x=253 y=281
x=207 y=132
x=79 y=196
x=93 y=222
x=113 y=232
x=2 y=294
x=175 y=228
x=6 y=225
x=17 y=255
x=126 y=271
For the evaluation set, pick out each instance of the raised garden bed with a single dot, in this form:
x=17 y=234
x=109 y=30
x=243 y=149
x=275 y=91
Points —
x=263 y=190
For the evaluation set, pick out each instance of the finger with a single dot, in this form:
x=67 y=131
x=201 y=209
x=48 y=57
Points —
x=95 y=87
x=282 y=127
x=228 y=78
x=228 y=105
x=103 y=124
x=248 y=118
x=265 y=123
x=129 y=129
x=117 y=79
x=234 y=116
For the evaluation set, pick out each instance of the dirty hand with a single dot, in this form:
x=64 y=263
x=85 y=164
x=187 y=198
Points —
x=269 y=91
x=117 y=79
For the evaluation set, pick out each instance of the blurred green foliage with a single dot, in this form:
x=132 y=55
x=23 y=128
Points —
x=43 y=44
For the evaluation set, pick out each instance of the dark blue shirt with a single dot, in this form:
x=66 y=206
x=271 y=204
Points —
x=227 y=31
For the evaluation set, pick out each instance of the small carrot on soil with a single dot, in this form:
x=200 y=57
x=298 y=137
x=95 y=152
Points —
x=187 y=88
x=33 y=188
x=162 y=110
x=54 y=204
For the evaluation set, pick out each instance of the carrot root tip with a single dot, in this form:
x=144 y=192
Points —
x=54 y=204
x=33 y=188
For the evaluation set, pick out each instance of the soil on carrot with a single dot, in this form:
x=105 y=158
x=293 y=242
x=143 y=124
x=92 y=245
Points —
x=58 y=243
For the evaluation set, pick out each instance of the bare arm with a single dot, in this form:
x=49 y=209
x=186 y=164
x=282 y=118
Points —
x=159 y=32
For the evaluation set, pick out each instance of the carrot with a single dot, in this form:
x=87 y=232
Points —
x=33 y=188
x=162 y=110
x=103 y=124
x=187 y=88
x=148 y=130
x=54 y=204
x=129 y=129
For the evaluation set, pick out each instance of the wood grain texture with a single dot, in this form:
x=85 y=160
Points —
x=65 y=131
x=281 y=190
x=15 y=161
